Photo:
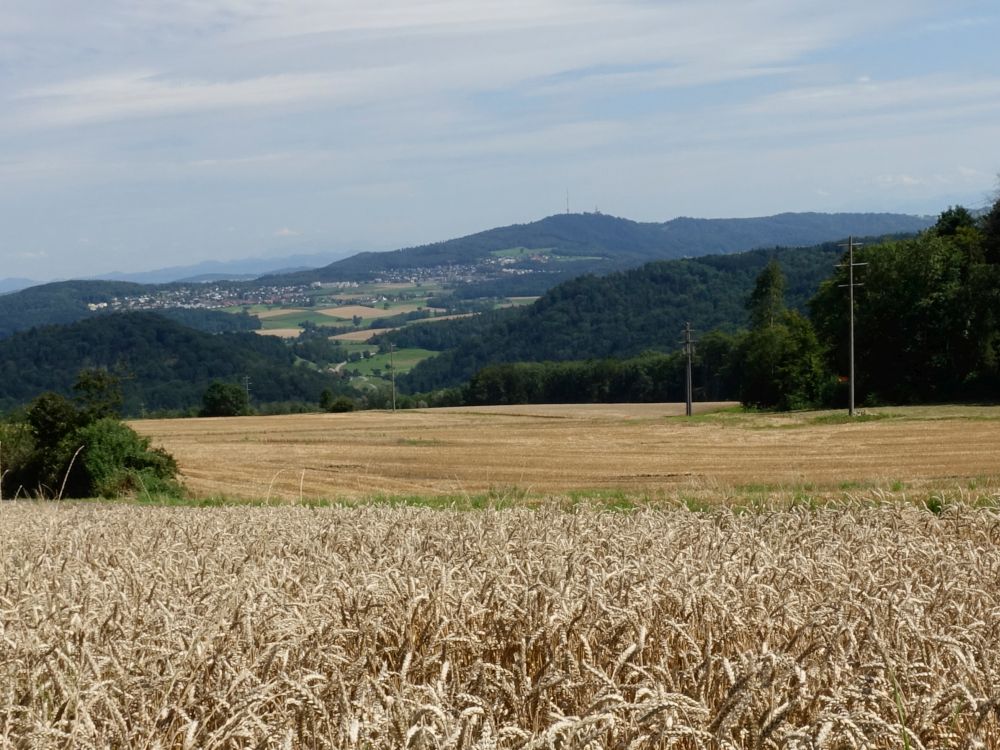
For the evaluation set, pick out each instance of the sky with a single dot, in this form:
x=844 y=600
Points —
x=141 y=134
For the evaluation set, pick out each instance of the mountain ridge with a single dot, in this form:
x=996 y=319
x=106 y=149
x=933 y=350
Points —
x=598 y=243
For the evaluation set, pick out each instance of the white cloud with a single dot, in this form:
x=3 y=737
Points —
x=152 y=124
x=144 y=94
x=377 y=50
x=899 y=180
x=287 y=232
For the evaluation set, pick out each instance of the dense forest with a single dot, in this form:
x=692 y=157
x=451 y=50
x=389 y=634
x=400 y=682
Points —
x=927 y=318
x=163 y=364
x=58 y=302
x=619 y=315
x=927 y=314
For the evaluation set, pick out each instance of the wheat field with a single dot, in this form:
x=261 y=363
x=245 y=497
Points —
x=631 y=448
x=867 y=626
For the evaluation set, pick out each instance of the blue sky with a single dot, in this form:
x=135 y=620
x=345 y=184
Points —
x=138 y=135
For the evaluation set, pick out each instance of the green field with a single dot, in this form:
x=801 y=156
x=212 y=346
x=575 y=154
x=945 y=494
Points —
x=403 y=360
x=522 y=252
x=293 y=319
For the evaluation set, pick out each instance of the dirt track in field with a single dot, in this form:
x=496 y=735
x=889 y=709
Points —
x=555 y=449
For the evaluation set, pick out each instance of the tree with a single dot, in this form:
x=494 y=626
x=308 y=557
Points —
x=98 y=394
x=926 y=326
x=51 y=416
x=224 y=400
x=952 y=220
x=767 y=300
x=991 y=234
x=779 y=361
x=781 y=365
x=340 y=405
x=326 y=399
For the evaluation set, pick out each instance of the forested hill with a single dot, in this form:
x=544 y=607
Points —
x=58 y=302
x=618 y=315
x=69 y=301
x=163 y=364
x=600 y=243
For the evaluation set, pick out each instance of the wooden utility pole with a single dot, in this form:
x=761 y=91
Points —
x=392 y=373
x=689 y=352
x=851 y=244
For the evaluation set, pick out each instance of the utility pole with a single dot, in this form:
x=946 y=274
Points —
x=246 y=386
x=689 y=352
x=392 y=373
x=851 y=244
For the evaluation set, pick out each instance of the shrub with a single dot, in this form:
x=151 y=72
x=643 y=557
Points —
x=224 y=400
x=116 y=461
x=16 y=449
x=64 y=448
x=341 y=404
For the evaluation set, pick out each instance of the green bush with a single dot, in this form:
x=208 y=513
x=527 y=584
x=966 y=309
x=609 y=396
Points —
x=341 y=404
x=224 y=400
x=115 y=461
x=63 y=448
x=16 y=449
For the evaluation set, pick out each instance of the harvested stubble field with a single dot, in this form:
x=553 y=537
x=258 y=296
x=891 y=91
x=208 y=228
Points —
x=378 y=627
x=636 y=449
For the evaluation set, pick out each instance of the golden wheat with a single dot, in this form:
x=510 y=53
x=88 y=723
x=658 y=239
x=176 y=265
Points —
x=636 y=448
x=871 y=627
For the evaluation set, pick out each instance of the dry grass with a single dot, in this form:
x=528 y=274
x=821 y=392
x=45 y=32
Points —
x=368 y=313
x=637 y=449
x=364 y=335
x=126 y=627
x=279 y=313
x=284 y=333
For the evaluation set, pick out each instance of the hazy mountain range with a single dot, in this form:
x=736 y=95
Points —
x=588 y=242
x=243 y=269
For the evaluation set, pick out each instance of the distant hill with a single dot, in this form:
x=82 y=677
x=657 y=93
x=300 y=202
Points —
x=554 y=249
x=70 y=301
x=14 y=284
x=618 y=315
x=58 y=302
x=163 y=364
x=225 y=270
x=598 y=243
